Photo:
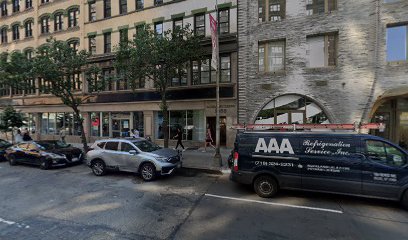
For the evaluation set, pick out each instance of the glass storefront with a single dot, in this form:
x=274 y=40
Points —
x=54 y=123
x=191 y=122
x=121 y=124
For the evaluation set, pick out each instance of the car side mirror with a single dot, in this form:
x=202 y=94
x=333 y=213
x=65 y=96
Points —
x=133 y=152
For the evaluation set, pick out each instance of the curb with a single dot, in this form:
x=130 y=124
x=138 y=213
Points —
x=209 y=171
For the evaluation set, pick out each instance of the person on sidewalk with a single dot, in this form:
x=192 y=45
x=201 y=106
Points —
x=179 y=137
x=208 y=139
x=18 y=138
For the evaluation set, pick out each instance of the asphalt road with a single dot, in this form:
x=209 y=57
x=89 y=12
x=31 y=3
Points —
x=71 y=203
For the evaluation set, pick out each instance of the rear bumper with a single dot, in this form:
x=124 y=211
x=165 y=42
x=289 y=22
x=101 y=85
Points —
x=242 y=177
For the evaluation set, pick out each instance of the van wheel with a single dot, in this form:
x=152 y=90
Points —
x=404 y=200
x=98 y=168
x=148 y=172
x=265 y=186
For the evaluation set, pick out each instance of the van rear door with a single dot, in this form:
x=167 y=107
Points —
x=385 y=170
x=277 y=154
x=331 y=163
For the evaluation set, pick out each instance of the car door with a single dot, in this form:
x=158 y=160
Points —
x=32 y=154
x=331 y=164
x=385 y=169
x=128 y=161
x=19 y=152
x=111 y=153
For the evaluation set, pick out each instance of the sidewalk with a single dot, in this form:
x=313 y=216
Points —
x=198 y=159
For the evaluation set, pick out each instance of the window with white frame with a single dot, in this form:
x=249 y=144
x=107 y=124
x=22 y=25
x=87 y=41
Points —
x=320 y=6
x=271 y=10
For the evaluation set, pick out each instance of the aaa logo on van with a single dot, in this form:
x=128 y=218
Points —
x=273 y=146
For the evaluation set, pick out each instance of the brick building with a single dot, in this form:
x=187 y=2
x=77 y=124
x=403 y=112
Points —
x=98 y=26
x=320 y=61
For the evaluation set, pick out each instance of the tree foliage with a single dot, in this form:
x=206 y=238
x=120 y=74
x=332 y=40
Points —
x=10 y=119
x=15 y=70
x=158 y=58
x=57 y=63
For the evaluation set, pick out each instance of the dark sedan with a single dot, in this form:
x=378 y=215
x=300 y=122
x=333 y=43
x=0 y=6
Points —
x=3 y=146
x=45 y=154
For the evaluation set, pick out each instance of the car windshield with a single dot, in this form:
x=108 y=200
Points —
x=45 y=145
x=61 y=144
x=146 y=146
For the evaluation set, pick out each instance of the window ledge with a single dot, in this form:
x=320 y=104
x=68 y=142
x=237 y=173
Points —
x=397 y=63
x=320 y=69
x=272 y=73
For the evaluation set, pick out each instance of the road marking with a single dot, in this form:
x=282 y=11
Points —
x=276 y=204
x=6 y=222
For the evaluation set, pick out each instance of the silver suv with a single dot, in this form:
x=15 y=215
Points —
x=132 y=155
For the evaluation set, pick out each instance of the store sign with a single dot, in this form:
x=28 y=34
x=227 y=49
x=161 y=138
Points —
x=273 y=146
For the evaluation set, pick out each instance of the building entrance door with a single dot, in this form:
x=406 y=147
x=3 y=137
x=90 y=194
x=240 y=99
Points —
x=120 y=128
x=211 y=122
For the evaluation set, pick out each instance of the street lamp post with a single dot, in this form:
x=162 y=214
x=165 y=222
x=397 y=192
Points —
x=217 y=156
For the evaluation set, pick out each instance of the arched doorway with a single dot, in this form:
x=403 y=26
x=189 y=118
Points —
x=291 y=109
x=393 y=112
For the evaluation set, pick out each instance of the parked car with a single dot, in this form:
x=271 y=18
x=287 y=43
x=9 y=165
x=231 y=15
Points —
x=45 y=154
x=345 y=163
x=132 y=155
x=3 y=146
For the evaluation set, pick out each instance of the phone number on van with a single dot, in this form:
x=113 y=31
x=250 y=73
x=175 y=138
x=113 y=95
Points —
x=274 y=164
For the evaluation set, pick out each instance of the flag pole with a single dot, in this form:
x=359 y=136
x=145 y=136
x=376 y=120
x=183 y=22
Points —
x=217 y=118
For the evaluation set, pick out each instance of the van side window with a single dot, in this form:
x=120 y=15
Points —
x=113 y=146
x=385 y=153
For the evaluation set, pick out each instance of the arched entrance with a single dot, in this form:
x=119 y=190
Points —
x=392 y=109
x=291 y=109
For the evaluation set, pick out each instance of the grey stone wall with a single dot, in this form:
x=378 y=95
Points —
x=346 y=92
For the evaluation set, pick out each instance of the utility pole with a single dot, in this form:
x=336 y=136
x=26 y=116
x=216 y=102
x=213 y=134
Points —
x=217 y=156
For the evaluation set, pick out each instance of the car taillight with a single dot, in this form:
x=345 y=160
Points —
x=236 y=161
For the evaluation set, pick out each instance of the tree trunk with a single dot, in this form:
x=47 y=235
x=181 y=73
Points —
x=78 y=119
x=165 y=113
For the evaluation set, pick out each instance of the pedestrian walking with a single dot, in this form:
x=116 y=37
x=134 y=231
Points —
x=18 y=137
x=26 y=136
x=179 y=137
x=135 y=133
x=62 y=135
x=208 y=139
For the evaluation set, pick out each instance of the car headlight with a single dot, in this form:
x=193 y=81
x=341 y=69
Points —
x=161 y=159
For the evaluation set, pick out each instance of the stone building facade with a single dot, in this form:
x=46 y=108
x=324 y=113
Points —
x=97 y=26
x=320 y=61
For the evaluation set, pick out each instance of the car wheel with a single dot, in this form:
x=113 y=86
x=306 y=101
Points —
x=45 y=164
x=404 y=200
x=265 y=186
x=98 y=168
x=148 y=172
x=12 y=160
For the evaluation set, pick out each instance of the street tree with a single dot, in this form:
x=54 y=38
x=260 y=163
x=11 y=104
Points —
x=15 y=70
x=10 y=119
x=58 y=65
x=158 y=58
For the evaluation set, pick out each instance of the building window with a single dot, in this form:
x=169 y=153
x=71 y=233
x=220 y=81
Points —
x=180 y=77
x=28 y=54
x=28 y=4
x=75 y=82
x=322 y=51
x=28 y=29
x=271 y=56
x=3 y=35
x=73 y=18
x=74 y=44
x=124 y=35
x=158 y=2
x=158 y=29
x=106 y=8
x=45 y=86
x=320 y=6
x=16 y=6
x=199 y=25
x=271 y=10
x=58 y=21
x=3 y=7
x=108 y=76
x=177 y=23
x=92 y=11
x=16 y=32
x=45 y=1
x=122 y=6
x=45 y=27
x=397 y=49
x=107 y=44
x=202 y=72
x=30 y=83
x=92 y=45
x=223 y=21
x=139 y=4
x=4 y=90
